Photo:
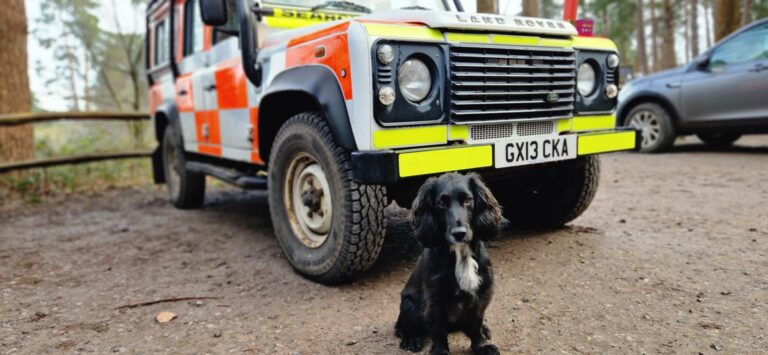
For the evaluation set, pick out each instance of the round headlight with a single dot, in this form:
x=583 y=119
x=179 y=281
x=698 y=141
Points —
x=612 y=61
x=414 y=79
x=385 y=54
x=585 y=79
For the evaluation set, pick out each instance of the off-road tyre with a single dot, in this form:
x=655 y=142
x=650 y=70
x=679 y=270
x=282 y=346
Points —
x=719 y=140
x=358 y=222
x=667 y=132
x=551 y=195
x=186 y=189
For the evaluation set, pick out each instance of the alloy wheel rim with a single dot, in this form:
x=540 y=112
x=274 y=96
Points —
x=649 y=125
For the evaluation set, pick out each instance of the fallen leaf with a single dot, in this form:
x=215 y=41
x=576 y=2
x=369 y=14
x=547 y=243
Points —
x=165 y=317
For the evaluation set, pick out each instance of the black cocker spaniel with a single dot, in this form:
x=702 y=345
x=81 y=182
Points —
x=452 y=284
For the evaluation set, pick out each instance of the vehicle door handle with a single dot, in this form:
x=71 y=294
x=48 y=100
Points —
x=210 y=87
x=674 y=85
x=183 y=93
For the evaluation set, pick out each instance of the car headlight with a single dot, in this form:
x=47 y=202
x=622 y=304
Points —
x=415 y=80
x=586 y=79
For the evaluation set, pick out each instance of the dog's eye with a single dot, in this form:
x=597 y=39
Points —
x=442 y=202
x=468 y=200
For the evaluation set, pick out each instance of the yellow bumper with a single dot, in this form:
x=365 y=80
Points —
x=445 y=159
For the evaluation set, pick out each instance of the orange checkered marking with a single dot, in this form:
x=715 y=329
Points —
x=231 y=84
x=210 y=144
x=303 y=50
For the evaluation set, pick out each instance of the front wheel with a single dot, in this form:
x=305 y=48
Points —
x=655 y=125
x=329 y=227
x=551 y=195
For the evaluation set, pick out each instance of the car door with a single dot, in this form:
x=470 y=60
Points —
x=733 y=83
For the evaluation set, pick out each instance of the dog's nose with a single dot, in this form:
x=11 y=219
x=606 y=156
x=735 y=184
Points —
x=459 y=233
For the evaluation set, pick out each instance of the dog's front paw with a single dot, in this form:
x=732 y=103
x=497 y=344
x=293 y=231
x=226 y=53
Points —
x=486 y=332
x=412 y=344
x=487 y=349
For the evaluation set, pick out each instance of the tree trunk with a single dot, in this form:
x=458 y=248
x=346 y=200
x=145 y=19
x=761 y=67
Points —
x=641 y=61
x=668 y=46
x=531 y=8
x=686 y=31
x=707 y=26
x=726 y=17
x=695 y=28
x=745 y=18
x=655 y=37
x=487 y=6
x=16 y=142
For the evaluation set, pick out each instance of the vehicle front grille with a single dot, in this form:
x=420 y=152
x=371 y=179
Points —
x=496 y=131
x=525 y=129
x=500 y=83
x=492 y=131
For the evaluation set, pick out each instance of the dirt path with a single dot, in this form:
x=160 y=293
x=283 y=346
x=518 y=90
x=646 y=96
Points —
x=671 y=257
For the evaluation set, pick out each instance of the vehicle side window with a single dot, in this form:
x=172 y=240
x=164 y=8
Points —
x=161 y=43
x=193 y=28
x=746 y=47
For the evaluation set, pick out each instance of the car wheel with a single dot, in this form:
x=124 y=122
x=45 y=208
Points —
x=548 y=196
x=719 y=139
x=655 y=126
x=186 y=189
x=329 y=227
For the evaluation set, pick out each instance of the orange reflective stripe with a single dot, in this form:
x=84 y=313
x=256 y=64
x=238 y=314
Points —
x=335 y=56
x=231 y=86
x=342 y=27
x=155 y=97
x=207 y=38
x=186 y=102
x=210 y=143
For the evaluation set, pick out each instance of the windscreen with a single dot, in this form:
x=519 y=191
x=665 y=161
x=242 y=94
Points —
x=372 y=5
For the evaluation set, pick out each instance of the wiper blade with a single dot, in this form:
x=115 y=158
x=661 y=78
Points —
x=344 y=5
x=415 y=7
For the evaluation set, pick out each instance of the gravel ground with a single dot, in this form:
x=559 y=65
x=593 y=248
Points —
x=672 y=257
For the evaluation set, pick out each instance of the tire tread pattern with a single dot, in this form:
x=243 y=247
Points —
x=365 y=218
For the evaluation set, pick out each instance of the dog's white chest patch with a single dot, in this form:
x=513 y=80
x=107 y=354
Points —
x=466 y=268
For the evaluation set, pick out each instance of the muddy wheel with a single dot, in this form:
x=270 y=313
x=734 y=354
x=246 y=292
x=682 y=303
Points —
x=330 y=228
x=551 y=195
x=186 y=189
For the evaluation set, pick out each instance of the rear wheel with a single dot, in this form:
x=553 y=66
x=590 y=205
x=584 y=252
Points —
x=329 y=227
x=551 y=195
x=655 y=125
x=186 y=189
x=719 y=139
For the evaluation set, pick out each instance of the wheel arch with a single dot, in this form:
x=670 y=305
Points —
x=302 y=89
x=648 y=98
x=164 y=115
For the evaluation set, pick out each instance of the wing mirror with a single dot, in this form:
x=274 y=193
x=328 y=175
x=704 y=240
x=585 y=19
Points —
x=214 y=12
x=701 y=62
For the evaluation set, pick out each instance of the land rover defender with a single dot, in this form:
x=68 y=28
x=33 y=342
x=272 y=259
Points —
x=338 y=108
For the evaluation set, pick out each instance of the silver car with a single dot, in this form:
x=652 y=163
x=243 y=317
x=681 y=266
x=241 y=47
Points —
x=719 y=96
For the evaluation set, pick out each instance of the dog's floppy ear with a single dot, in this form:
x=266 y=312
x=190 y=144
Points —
x=423 y=212
x=486 y=219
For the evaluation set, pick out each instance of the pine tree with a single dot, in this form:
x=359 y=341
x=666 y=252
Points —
x=16 y=142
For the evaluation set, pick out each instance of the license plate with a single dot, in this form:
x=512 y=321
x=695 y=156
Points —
x=534 y=151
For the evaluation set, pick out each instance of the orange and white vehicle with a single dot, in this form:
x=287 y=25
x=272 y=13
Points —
x=339 y=107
